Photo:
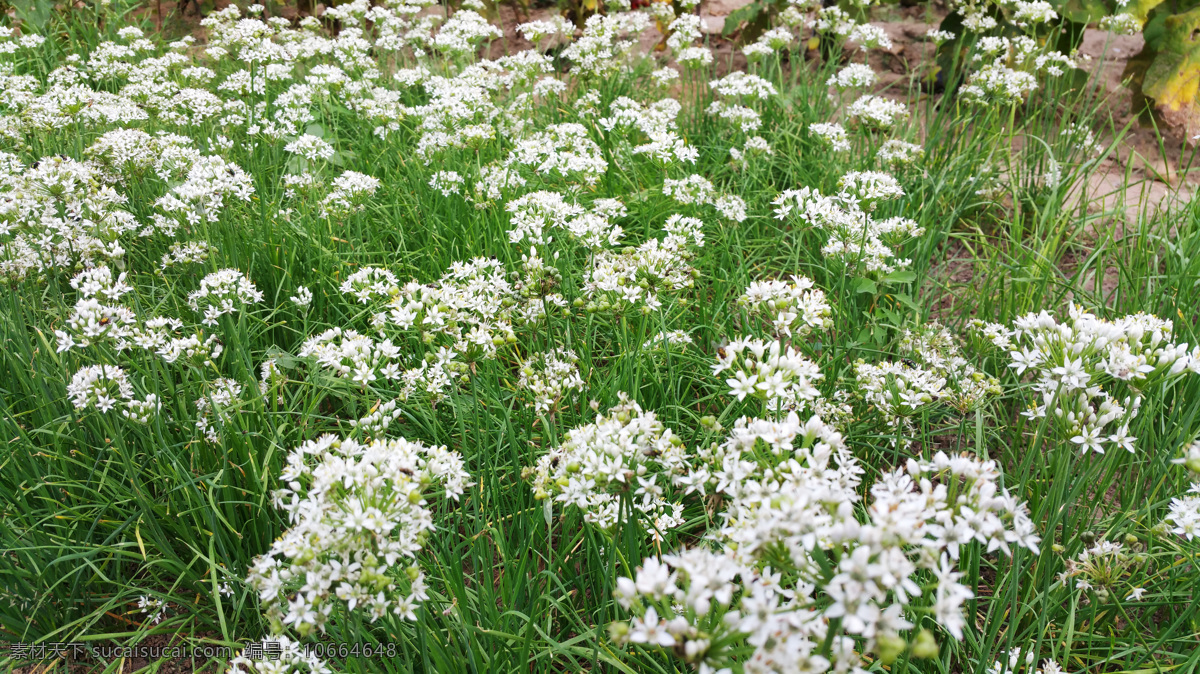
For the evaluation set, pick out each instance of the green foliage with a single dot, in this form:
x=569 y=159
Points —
x=96 y=513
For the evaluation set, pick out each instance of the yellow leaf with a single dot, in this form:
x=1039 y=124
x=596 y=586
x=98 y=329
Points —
x=137 y=532
x=1173 y=77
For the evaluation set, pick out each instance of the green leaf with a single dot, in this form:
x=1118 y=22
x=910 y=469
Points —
x=864 y=285
x=282 y=358
x=36 y=13
x=748 y=14
x=901 y=276
x=907 y=301
x=296 y=164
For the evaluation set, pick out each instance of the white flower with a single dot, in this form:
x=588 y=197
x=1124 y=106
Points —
x=357 y=511
x=310 y=147
x=832 y=134
x=303 y=296
x=223 y=292
x=1089 y=439
x=550 y=375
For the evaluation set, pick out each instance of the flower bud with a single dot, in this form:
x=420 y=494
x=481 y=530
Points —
x=889 y=647
x=924 y=646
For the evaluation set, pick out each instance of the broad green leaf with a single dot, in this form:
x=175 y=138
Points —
x=34 y=12
x=749 y=14
x=901 y=276
x=864 y=285
x=907 y=300
x=739 y=16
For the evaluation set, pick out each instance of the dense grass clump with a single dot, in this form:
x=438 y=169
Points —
x=337 y=338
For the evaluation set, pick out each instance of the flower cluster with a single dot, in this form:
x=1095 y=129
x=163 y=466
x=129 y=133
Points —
x=934 y=372
x=794 y=308
x=1108 y=570
x=876 y=113
x=348 y=193
x=696 y=189
x=799 y=569
x=535 y=213
x=1014 y=72
x=223 y=292
x=352 y=355
x=1016 y=661
x=1184 y=514
x=359 y=513
x=1089 y=373
x=92 y=322
x=935 y=349
x=855 y=236
x=58 y=213
x=99 y=386
x=625 y=457
x=898 y=390
x=217 y=407
x=778 y=375
x=637 y=276
x=832 y=134
x=201 y=197
x=549 y=376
